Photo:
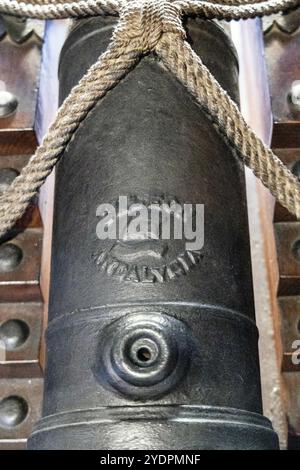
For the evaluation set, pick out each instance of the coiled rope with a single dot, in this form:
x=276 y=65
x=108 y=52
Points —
x=148 y=26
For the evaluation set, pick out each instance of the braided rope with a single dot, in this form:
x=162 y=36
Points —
x=217 y=9
x=44 y=10
x=243 y=11
x=189 y=69
x=145 y=26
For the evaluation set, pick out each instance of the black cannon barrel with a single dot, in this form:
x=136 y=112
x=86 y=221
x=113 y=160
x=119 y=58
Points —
x=151 y=342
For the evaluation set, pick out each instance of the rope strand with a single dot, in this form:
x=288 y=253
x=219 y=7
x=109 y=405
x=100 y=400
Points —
x=245 y=10
x=145 y=26
x=49 y=10
x=181 y=60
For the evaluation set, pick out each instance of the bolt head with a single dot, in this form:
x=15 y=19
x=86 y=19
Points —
x=13 y=411
x=295 y=93
x=14 y=333
x=8 y=103
x=10 y=257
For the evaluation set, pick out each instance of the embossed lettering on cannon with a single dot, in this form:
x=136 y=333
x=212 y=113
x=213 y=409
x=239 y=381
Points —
x=149 y=239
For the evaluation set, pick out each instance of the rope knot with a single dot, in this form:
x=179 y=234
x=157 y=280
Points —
x=145 y=21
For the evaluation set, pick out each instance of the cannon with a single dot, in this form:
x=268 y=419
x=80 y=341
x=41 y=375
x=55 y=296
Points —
x=151 y=341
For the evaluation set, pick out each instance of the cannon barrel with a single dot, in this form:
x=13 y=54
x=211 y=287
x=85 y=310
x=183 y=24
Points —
x=151 y=342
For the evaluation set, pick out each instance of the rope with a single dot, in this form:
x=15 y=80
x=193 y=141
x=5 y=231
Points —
x=148 y=26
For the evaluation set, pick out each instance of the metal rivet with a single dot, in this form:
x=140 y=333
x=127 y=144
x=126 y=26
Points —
x=13 y=411
x=10 y=257
x=8 y=103
x=7 y=175
x=14 y=334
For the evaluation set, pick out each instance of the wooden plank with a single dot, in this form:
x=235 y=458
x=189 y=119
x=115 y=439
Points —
x=282 y=44
x=19 y=72
x=292 y=381
x=290 y=333
x=20 y=267
x=20 y=338
x=20 y=407
x=288 y=252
